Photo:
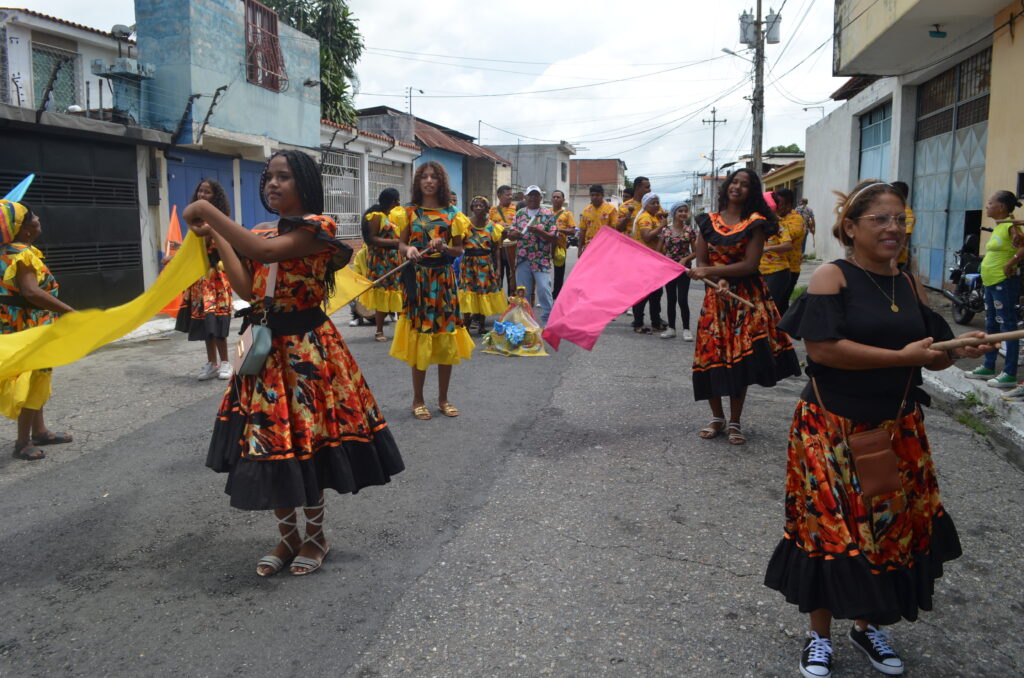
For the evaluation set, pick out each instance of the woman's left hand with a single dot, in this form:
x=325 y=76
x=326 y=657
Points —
x=437 y=244
x=193 y=214
x=699 y=272
x=201 y=229
x=723 y=287
x=974 y=351
x=1010 y=269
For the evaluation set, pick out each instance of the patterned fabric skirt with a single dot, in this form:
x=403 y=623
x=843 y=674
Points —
x=480 y=287
x=738 y=346
x=28 y=390
x=306 y=423
x=875 y=559
x=430 y=330
x=387 y=296
x=205 y=311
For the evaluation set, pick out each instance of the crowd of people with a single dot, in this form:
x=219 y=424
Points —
x=308 y=422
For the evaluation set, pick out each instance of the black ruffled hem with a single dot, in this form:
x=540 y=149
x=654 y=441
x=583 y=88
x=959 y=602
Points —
x=847 y=587
x=259 y=485
x=211 y=326
x=760 y=367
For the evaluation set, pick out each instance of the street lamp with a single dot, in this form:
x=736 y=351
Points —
x=810 y=108
x=736 y=54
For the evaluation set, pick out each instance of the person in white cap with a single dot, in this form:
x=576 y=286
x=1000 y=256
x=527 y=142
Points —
x=534 y=230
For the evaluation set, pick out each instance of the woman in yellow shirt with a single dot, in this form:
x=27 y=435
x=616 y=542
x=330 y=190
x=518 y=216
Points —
x=647 y=230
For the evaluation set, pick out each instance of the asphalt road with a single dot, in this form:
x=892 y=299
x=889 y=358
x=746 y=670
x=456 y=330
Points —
x=569 y=523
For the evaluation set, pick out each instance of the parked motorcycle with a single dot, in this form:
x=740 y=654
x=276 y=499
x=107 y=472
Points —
x=968 y=294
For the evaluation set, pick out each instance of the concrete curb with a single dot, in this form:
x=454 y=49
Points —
x=1004 y=420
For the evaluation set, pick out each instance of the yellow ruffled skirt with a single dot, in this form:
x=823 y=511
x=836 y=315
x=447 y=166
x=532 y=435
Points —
x=422 y=349
x=492 y=303
x=28 y=390
x=380 y=299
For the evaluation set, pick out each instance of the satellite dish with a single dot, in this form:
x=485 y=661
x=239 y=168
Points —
x=121 y=32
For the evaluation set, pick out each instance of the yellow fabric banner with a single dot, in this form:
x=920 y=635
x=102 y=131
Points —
x=347 y=286
x=75 y=335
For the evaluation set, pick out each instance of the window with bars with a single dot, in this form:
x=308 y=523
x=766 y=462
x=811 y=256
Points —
x=955 y=99
x=343 y=188
x=385 y=175
x=65 y=87
x=264 y=63
x=876 y=143
x=5 y=93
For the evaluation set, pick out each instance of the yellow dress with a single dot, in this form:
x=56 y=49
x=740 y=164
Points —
x=387 y=296
x=430 y=329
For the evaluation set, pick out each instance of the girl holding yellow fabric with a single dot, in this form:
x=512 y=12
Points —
x=480 y=292
x=382 y=256
x=28 y=298
x=430 y=330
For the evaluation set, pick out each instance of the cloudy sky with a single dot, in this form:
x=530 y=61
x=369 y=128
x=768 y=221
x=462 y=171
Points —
x=632 y=86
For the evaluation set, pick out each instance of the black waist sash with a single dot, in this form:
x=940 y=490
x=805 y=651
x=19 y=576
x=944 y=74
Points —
x=17 y=300
x=476 y=252
x=285 y=323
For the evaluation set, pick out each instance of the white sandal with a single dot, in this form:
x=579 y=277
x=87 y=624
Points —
x=273 y=562
x=310 y=564
x=711 y=430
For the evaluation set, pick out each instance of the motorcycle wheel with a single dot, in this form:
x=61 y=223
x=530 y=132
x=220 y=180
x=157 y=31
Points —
x=962 y=315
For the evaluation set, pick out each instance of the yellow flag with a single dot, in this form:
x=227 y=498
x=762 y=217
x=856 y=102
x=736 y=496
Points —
x=347 y=286
x=75 y=335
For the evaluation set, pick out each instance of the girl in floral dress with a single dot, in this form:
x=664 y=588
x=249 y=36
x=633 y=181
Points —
x=28 y=298
x=677 y=243
x=308 y=421
x=430 y=330
x=736 y=345
x=480 y=287
x=205 y=313
x=381 y=257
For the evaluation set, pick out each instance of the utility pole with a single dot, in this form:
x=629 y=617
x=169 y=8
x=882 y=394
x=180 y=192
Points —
x=757 y=103
x=714 y=122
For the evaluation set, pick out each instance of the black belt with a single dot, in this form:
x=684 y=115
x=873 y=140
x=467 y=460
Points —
x=17 y=300
x=435 y=262
x=476 y=252
x=285 y=323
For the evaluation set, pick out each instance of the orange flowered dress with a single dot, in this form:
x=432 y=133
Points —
x=873 y=558
x=308 y=421
x=386 y=296
x=430 y=329
x=737 y=346
x=205 y=311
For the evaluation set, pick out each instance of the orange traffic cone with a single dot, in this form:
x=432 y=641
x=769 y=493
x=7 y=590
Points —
x=171 y=246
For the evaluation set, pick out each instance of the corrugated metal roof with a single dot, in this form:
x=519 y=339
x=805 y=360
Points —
x=372 y=135
x=58 y=20
x=432 y=137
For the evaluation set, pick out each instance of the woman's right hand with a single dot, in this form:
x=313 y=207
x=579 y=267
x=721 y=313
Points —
x=918 y=353
x=412 y=254
x=698 y=272
x=193 y=213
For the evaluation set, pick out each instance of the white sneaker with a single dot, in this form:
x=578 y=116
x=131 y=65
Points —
x=668 y=334
x=354 y=322
x=224 y=371
x=209 y=371
x=629 y=311
x=687 y=335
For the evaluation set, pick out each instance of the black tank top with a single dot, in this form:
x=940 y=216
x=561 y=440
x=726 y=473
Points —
x=872 y=395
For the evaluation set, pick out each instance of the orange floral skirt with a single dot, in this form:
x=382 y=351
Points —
x=875 y=559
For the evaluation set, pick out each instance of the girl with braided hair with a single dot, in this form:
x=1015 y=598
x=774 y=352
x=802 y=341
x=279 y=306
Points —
x=205 y=313
x=308 y=421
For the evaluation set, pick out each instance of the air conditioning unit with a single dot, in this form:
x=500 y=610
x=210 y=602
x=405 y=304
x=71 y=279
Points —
x=98 y=66
x=125 y=67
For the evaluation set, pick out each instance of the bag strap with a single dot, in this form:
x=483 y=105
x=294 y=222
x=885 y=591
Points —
x=268 y=295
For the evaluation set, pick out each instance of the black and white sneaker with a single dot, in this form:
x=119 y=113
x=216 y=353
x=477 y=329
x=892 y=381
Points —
x=816 y=660
x=877 y=645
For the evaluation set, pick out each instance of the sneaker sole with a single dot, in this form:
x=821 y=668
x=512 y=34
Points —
x=883 y=668
x=978 y=377
x=807 y=674
x=1005 y=387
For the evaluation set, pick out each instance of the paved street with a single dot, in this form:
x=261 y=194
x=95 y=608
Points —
x=569 y=523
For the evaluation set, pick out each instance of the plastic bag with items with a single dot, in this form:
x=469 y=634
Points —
x=517 y=332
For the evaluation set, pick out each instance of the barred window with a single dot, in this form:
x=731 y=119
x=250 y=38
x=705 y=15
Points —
x=264 y=64
x=65 y=88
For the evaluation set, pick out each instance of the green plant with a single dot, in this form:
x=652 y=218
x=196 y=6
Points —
x=968 y=420
x=797 y=291
x=971 y=400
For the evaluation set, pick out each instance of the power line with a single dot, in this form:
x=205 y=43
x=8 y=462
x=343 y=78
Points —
x=515 y=61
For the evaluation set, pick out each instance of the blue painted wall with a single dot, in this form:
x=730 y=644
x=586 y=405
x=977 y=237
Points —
x=198 y=46
x=453 y=163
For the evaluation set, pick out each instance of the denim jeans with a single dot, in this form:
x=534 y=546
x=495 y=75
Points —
x=1001 y=316
x=542 y=280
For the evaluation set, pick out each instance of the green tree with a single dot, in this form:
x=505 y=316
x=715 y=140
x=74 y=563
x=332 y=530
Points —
x=792 y=148
x=341 y=44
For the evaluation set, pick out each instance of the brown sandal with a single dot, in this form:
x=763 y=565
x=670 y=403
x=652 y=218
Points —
x=448 y=410
x=421 y=412
x=28 y=452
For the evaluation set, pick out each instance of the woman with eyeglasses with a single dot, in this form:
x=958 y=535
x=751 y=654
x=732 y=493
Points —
x=868 y=331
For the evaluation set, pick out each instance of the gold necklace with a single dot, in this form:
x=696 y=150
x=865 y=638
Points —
x=892 y=299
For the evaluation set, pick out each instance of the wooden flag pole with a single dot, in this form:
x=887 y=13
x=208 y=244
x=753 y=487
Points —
x=977 y=341
x=728 y=293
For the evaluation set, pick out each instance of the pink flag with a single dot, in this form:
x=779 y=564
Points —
x=614 y=273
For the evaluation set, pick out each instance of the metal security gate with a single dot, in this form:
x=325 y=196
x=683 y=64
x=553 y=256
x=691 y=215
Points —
x=86 y=196
x=384 y=174
x=343 y=189
x=949 y=164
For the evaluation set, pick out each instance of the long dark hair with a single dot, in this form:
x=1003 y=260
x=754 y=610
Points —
x=755 y=197
x=386 y=201
x=444 y=192
x=220 y=196
x=307 y=181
